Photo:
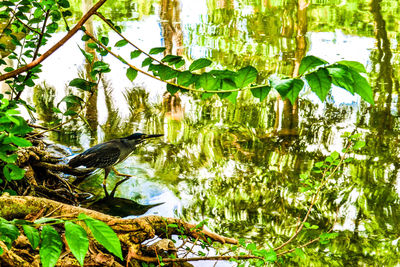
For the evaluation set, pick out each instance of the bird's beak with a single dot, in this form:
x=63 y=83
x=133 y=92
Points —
x=147 y=136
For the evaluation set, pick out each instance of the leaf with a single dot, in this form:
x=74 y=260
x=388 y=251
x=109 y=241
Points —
x=171 y=59
x=46 y=220
x=8 y=233
x=300 y=253
x=104 y=40
x=21 y=142
x=157 y=50
x=320 y=83
x=180 y=63
x=50 y=248
x=172 y=88
x=77 y=240
x=13 y=172
x=341 y=77
x=166 y=73
x=232 y=97
x=82 y=84
x=245 y=76
x=310 y=62
x=71 y=100
x=146 y=62
x=135 y=54
x=199 y=64
x=131 y=73
x=88 y=56
x=354 y=65
x=103 y=234
x=208 y=81
x=100 y=66
x=184 y=78
x=290 y=88
x=261 y=92
x=362 y=87
x=32 y=234
x=121 y=43
x=271 y=256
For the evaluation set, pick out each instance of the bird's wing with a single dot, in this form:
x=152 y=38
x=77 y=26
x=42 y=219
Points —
x=99 y=156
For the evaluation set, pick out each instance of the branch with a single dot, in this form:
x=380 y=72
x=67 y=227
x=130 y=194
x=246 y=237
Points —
x=56 y=46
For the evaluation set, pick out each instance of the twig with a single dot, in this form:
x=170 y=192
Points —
x=56 y=46
x=314 y=201
x=26 y=25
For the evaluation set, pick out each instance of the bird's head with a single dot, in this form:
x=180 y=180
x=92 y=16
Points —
x=140 y=137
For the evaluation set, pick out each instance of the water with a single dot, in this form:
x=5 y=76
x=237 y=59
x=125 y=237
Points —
x=238 y=165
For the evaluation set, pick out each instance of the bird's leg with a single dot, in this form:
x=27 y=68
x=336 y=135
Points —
x=116 y=186
x=120 y=174
x=106 y=172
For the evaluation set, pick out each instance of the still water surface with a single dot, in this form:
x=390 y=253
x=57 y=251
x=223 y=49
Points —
x=238 y=164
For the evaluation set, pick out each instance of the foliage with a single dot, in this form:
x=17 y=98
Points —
x=42 y=234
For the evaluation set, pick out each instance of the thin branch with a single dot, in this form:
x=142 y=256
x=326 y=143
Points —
x=123 y=37
x=26 y=25
x=207 y=258
x=56 y=46
x=314 y=200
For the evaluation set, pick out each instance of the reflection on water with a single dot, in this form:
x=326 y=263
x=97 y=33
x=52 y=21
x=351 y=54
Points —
x=239 y=165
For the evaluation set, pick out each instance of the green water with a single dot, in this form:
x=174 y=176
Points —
x=238 y=165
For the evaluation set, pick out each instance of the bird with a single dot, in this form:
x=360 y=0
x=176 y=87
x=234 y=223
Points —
x=106 y=155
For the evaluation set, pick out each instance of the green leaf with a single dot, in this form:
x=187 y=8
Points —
x=320 y=83
x=300 y=253
x=131 y=74
x=359 y=145
x=32 y=234
x=21 y=142
x=50 y=248
x=88 y=56
x=261 y=92
x=335 y=155
x=8 y=233
x=354 y=65
x=362 y=87
x=180 y=63
x=185 y=78
x=13 y=172
x=82 y=84
x=290 y=88
x=121 y=43
x=71 y=100
x=245 y=76
x=77 y=240
x=135 y=54
x=103 y=234
x=172 y=89
x=157 y=50
x=271 y=256
x=47 y=220
x=232 y=97
x=166 y=73
x=310 y=62
x=146 y=62
x=199 y=64
x=341 y=77
x=85 y=38
x=100 y=66
x=171 y=59
x=208 y=81
x=104 y=40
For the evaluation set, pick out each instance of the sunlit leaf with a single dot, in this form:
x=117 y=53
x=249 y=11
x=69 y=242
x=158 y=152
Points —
x=146 y=62
x=157 y=50
x=131 y=73
x=232 y=97
x=77 y=240
x=290 y=88
x=19 y=141
x=179 y=64
x=88 y=56
x=121 y=43
x=310 y=62
x=50 y=247
x=245 y=76
x=341 y=77
x=82 y=84
x=354 y=65
x=320 y=83
x=362 y=87
x=166 y=73
x=184 y=78
x=300 y=253
x=171 y=59
x=135 y=54
x=208 y=81
x=32 y=234
x=261 y=92
x=103 y=234
x=199 y=64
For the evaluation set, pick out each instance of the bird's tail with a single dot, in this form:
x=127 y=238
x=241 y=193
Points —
x=74 y=162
